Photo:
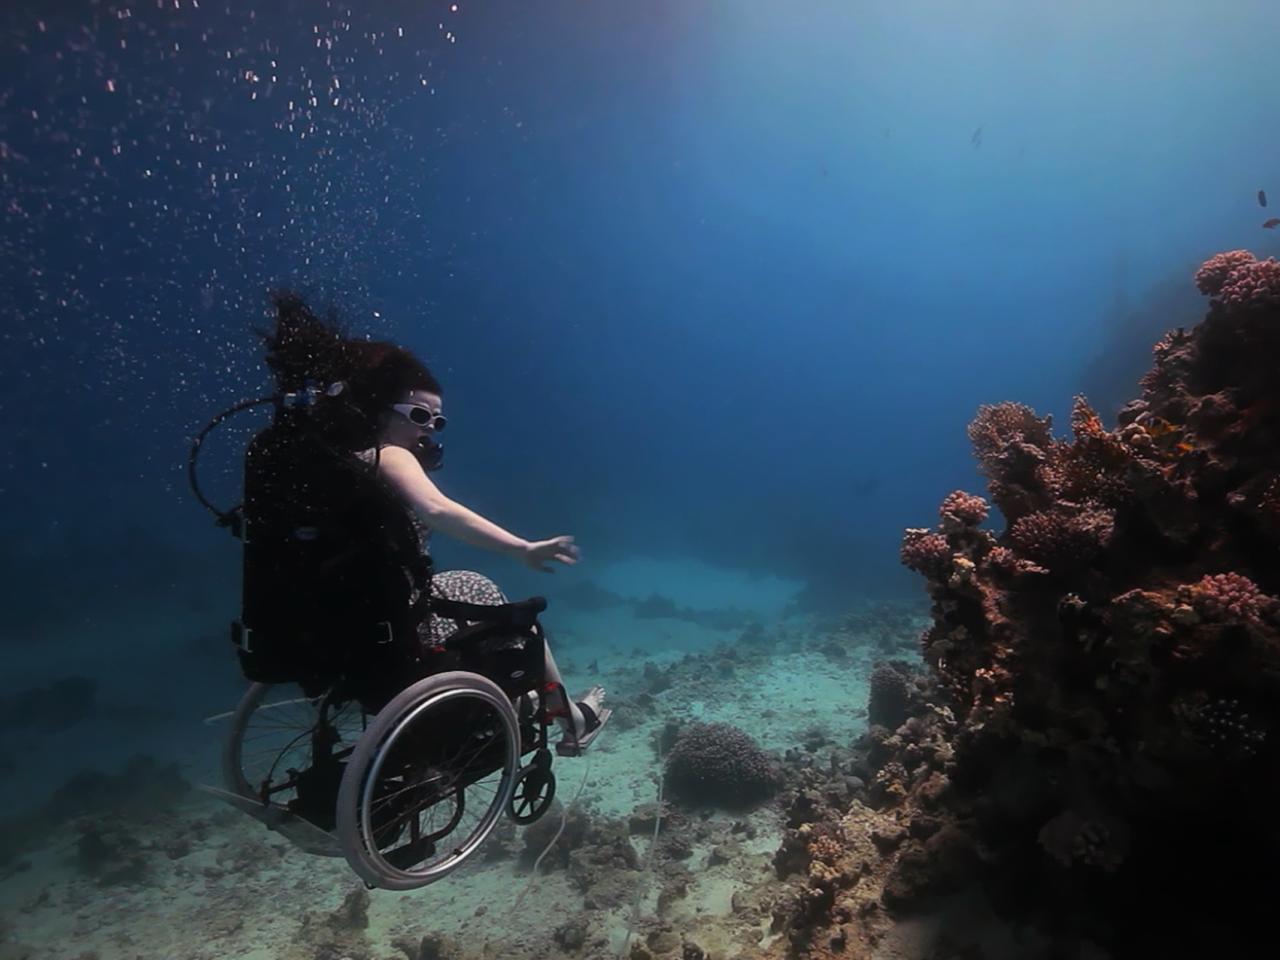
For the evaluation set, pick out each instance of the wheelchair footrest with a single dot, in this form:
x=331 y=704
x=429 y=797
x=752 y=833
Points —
x=570 y=746
x=304 y=835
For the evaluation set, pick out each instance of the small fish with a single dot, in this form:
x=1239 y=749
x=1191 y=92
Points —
x=1184 y=447
x=976 y=139
x=1262 y=198
x=1271 y=224
x=1159 y=427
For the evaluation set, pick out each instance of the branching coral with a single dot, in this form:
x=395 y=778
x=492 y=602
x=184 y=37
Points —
x=1117 y=647
x=1252 y=285
x=1094 y=466
x=1006 y=562
x=961 y=510
x=1111 y=660
x=1064 y=538
x=925 y=552
x=1013 y=447
x=1228 y=598
x=999 y=425
x=1213 y=272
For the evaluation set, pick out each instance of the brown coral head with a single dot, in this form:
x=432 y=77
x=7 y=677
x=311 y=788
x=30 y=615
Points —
x=1213 y=272
x=925 y=551
x=719 y=765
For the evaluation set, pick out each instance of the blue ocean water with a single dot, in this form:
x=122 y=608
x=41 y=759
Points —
x=714 y=288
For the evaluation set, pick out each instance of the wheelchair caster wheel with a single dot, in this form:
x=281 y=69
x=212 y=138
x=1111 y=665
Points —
x=535 y=789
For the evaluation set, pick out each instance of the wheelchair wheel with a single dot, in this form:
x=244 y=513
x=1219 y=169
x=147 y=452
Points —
x=273 y=735
x=535 y=789
x=428 y=780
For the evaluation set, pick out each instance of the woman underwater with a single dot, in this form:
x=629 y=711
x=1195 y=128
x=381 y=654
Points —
x=400 y=408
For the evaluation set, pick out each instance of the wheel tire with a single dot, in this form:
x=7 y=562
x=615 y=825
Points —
x=364 y=766
x=232 y=751
x=539 y=806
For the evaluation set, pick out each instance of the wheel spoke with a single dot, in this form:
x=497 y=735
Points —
x=433 y=787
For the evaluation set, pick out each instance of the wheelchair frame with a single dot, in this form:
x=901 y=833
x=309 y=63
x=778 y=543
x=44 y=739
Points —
x=488 y=668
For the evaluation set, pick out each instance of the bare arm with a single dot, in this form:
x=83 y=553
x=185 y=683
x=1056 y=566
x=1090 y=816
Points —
x=402 y=470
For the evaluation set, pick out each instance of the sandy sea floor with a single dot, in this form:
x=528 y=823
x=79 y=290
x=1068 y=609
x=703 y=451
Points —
x=212 y=883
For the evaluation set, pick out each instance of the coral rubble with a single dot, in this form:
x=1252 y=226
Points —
x=1098 y=750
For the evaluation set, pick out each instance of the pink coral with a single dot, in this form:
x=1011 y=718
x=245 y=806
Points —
x=924 y=551
x=963 y=509
x=1213 y=272
x=1228 y=598
x=1252 y=285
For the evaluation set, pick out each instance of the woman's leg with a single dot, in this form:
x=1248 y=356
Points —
x=574 y=723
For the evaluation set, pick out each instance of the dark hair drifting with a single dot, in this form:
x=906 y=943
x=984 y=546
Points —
x=304 y=347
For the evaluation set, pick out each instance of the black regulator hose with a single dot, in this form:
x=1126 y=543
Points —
x=226 y=518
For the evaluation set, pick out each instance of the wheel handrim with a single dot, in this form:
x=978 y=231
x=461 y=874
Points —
x=501 y=797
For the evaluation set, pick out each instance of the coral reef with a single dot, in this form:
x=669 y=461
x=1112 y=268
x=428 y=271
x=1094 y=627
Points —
x=141 y=790
x=1098 y=750
x=719 y=765
x=60 y=705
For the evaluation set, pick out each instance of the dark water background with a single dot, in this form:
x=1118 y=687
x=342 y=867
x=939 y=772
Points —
x=722 y=281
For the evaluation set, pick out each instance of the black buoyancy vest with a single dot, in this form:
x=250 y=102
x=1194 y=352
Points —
x=332 y=559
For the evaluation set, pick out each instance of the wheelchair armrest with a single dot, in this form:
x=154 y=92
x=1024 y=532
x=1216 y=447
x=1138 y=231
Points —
x=522 y=614
x=481 y=636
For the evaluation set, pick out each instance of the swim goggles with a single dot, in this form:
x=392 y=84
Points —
x=421 y=416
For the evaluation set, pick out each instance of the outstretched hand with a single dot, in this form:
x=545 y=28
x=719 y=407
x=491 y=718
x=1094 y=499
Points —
x=539 y=553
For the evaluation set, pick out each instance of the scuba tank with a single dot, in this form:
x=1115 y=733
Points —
x=330 y=557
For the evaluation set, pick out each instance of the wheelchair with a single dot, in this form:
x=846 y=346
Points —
x=353 y=740
x=408 y=789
